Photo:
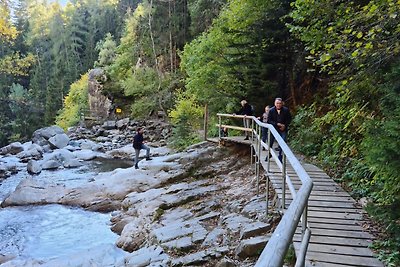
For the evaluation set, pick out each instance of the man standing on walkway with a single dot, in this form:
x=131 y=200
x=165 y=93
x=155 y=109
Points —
x=138 y=145
x=280 y=117
x=246 y=110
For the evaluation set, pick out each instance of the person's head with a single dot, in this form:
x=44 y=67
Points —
x=243 y=102
x=278 y=103
x=140 y=130
x=266 y=109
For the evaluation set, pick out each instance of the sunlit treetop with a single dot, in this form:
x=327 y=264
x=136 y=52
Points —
x=7 y=31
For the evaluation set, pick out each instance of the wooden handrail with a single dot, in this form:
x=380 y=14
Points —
x=274 y=252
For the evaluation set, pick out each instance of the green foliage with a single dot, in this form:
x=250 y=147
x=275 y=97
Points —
x=107 y=50
x=75 y=103
x=388 y=246
x=307 y=140
x=381 y=146
x=244 y=54
x=344 y=37
x=187 y=118
x=202 y=13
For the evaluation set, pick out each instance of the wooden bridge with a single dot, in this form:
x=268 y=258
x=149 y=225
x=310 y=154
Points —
x=335 y=235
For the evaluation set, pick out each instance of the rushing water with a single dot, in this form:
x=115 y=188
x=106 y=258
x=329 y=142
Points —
x=48 y=231
x=43 y=232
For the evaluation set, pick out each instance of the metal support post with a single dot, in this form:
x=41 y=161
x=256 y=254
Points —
x=283 y=181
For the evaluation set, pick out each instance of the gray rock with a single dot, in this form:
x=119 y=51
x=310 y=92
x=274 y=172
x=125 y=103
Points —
x=226 y=263
x=59 y=140
x=34 y=151
x=181 y=244
x=214 y=238
x=122 y=123
x=177 y=230
x=147 y=256
x=251 y=247
x=254 y=229
x=34 y=167
x=13 y=149
x=41 y=136
x=109 y=125
x=200 y=257
x=235 y=222
x=85 y=154
x=73 y=163
x=191 y=259
x=50 y=165
x=256 y=207
x=60 y=155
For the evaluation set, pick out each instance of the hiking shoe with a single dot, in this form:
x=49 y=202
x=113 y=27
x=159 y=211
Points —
x=247 y=138
x=149 y=159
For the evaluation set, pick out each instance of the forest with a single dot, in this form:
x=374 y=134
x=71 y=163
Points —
x=335 y=63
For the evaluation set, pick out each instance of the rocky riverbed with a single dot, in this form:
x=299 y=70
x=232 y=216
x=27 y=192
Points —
x=196 y=207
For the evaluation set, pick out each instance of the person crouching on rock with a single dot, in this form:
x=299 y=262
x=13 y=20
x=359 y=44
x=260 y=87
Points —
x=138 y=145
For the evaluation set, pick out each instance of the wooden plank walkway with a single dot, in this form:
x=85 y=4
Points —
x=337 y=235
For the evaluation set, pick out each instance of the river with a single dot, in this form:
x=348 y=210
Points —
x=50 y=231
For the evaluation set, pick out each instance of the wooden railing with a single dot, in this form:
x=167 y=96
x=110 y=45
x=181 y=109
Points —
x=274 y=252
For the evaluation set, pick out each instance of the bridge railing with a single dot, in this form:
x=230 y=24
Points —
x=274 y=252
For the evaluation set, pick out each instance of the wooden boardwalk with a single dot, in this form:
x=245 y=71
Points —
x=337 y=235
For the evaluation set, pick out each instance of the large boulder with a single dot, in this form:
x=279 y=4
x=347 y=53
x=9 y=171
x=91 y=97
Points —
x=41 y=136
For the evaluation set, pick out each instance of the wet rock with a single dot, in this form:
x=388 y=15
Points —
x=251 y=247
x=85 y=154
x=30 y=191
x=59 y=140
x=72 y=163
x=6 y=257
x=34 y=167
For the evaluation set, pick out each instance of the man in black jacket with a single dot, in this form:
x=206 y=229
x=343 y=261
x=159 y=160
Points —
x=246 y=110
x=138 y=145
x=280 y=117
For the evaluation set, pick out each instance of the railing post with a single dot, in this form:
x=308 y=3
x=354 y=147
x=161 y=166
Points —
x=304 y=221
x=258 y=156
x=206 y=122
x=283 y=181
x=267 y=194
x=251 y=141
x=268 y=149
x=252 y=130
x=219 y=130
